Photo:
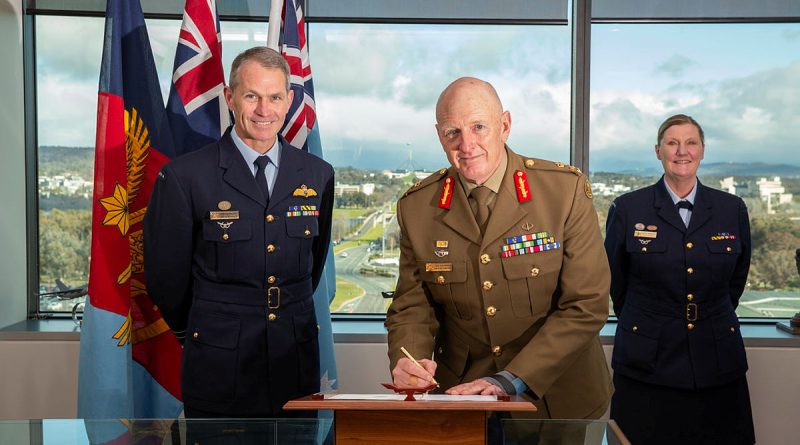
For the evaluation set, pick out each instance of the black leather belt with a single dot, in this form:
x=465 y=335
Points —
x=692 y=311
x=273 y=297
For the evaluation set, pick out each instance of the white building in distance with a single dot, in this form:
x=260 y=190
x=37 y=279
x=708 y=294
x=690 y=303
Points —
x=773 y=192
x=728 y=185
x=343 y=189
x=601 y=188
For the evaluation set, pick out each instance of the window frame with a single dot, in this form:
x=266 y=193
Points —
x=579 y=17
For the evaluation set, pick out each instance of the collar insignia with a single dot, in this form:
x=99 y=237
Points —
x=447 y=193
x=521 y=186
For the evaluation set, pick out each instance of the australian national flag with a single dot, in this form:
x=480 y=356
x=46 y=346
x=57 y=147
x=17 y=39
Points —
x=129 y=359
x=198 y=114
x=301 y=131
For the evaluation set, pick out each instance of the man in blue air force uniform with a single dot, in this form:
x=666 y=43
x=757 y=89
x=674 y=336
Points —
x=235 y=240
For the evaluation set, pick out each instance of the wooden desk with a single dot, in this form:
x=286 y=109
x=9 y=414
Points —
x=409 y=422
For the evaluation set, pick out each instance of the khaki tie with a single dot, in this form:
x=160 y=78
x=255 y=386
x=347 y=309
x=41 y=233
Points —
x=481 y=195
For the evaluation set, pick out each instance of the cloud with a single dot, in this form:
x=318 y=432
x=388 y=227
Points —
x=377 y=85
x=424 y=60
x=791 y=35
x=70 y=47
x=676 y=66
x=73 y=125
x=752 y=118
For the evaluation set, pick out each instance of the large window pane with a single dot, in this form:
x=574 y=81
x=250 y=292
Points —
x=68 y=57
x=68 y=52
x=376 y=90
x=740 y=82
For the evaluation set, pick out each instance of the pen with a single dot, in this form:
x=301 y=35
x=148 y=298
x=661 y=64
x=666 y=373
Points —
x=410 y=357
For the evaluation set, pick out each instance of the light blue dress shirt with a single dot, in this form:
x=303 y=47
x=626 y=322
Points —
x=250 y=156
x=686 y=214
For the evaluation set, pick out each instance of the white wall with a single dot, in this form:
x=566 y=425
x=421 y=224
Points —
x=38 y=379
x=13 y=283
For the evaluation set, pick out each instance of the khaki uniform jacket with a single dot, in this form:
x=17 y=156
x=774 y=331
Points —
x=536 y=315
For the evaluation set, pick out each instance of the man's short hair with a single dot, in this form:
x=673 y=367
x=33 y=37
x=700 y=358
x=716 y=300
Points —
x=266 y=57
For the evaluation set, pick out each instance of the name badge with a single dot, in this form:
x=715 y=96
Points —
x=438 y=267
x=645 y=234
x=230 y=214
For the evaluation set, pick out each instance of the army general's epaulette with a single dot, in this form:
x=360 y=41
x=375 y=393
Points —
x=432 y=178
x=541 y=164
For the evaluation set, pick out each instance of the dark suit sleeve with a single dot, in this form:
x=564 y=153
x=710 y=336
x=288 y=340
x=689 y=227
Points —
x=323 y=240
x=168 y=233
x=618 y=259
x=739 y=277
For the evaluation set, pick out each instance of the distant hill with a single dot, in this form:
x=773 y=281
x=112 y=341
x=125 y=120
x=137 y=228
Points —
x=55 y=160
x=749 y=169
x=722 y=169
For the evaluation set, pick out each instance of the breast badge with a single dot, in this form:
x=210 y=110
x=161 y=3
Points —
x=225 y=226
x=438 y=267
x=723 y=236
x=223 y=215
x=302 y=211
x=529 y=243
x=304 y=191
x=648 y=234
x=441 y=248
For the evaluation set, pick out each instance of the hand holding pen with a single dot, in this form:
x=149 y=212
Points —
x=410 y=373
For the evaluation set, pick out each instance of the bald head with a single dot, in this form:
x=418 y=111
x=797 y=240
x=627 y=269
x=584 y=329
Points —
x=465 y=88
x=472 y=128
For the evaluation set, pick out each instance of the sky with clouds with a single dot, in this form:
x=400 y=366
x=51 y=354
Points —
x=377 y=84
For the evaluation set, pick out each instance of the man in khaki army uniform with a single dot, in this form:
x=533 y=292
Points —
x=503 y=276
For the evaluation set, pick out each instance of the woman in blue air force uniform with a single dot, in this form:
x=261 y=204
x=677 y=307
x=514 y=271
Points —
x=679 y=254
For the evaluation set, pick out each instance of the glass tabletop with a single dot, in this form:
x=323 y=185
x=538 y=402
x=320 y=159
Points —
x=276 y=431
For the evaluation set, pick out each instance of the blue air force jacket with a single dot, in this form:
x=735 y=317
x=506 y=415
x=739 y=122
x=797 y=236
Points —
x=238 y=276
x=675 y=289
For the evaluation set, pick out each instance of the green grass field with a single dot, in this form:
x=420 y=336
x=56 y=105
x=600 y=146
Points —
x=345 y=291
x=351 y=213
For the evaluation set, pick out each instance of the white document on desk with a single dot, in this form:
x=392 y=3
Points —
x=421 y=397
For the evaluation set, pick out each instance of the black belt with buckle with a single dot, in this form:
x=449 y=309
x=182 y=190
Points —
x=273 y=297
x=691 y=312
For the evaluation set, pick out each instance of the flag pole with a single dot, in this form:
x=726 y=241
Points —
x=274 y=30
